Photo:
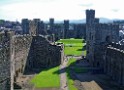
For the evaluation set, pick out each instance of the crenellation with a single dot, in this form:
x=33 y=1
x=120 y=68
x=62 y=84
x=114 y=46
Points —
x=115 y=53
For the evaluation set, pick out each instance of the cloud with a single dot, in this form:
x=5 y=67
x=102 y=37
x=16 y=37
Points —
x=60 y=9
x=115 y=10
x=86 y=5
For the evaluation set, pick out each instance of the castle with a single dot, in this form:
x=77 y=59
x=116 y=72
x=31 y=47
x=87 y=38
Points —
x=102 y=48
x=31 y=52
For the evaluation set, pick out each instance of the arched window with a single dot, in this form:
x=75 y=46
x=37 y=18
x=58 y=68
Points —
x=107 y=39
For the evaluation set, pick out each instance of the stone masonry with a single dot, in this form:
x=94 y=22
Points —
x=42 y=54
x=101 y=52
x=98 y=35
x=34 y=53
x=24 y=54
x=114 y=62
x=5 y=55
x=21 y=46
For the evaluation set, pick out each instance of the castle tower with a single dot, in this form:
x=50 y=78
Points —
x=90 y=34
x=37 y=24
x=90 y=19
x=42 y=29
x=25 y=26
x=51 y=23
x=90 y=16
x=66 y=28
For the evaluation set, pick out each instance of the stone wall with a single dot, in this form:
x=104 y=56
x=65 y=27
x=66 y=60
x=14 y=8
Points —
x=80 y=31
x=114 y=62
x=5 y=60
x=110 y=58
x=34 y=53
x=24 y=53
x=21 y=47
x=98 y=35
x=43 y=55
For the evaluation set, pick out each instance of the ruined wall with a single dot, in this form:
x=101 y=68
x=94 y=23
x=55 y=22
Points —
x=33 y=53
x=98 y=35
x=21 y=47
x=5 y=56
x=80 y=31
x=108 y=58
x=106 y=32
x=114 y=62
x=23 y=53
x=42 y=55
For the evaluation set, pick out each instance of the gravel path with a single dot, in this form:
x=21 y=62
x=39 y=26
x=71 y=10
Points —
x=63 y=80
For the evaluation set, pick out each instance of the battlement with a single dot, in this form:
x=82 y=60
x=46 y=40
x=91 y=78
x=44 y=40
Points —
x=115 y=62
x=116 y=46
x=90 y=11
x=90 y=16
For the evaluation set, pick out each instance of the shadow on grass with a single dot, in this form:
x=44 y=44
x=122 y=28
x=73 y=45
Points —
x=73 y=46
x=39 y=70
x=83 y=49
x=69 y=70
x=79 y=50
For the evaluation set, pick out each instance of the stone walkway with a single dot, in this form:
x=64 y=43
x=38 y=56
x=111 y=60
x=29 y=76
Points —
x=63 y=80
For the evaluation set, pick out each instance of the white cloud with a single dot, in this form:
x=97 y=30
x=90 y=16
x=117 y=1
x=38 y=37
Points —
x=61 y=9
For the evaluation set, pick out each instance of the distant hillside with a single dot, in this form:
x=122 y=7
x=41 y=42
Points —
x=102 y=20
x=105 y=20
x=78 y=21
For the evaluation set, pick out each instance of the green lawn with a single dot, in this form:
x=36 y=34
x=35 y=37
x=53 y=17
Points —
x=73 y=46
x=47 y=79
x=67 y=41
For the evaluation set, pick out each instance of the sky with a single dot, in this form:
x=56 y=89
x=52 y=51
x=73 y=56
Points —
x=60 y=9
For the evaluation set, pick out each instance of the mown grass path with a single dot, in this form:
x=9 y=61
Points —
x=51 y=78
x=73 y=46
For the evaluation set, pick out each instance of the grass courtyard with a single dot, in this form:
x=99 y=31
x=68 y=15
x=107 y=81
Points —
x=48 y=78
x=73 y=46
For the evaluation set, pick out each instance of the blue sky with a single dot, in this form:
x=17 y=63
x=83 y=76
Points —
x=59 y=9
